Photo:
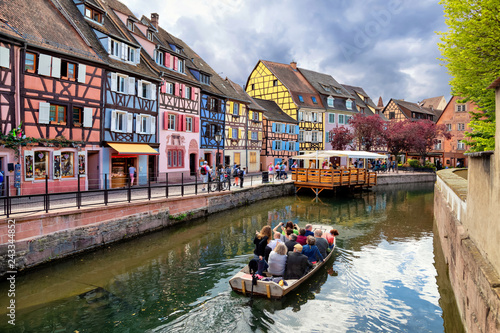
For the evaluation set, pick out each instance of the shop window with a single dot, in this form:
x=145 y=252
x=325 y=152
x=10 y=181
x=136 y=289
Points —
x=67 y=164
x=82 y=161
x=30 y=62
x=57 y=113
x=41 y=164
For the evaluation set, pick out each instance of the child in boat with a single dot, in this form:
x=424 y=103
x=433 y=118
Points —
x=277 y=260
x=261 y=240
x=302 y=238
x=312 y=251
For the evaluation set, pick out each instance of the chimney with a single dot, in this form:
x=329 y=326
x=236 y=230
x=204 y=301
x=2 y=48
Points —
x=154 y=19
x=294 y=65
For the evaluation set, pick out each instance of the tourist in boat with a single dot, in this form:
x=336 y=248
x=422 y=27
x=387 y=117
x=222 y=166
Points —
x=277 y=260
x=277 y=238
x=312 y=251
x=309 y=229
x=302 y=238
x=291 y=242
x=330 y=237
x=297 y=264
x=261 y=240
x=321 y=242
x=289 y=225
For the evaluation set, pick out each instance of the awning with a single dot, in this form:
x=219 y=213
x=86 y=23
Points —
x=133 y=148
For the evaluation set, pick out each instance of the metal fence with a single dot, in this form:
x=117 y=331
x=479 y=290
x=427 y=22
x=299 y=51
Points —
x=152 y=188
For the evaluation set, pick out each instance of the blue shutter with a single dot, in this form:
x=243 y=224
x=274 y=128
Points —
x=297 y=146
x=274 y=127
x=287 y=128
x=287 y=145
x=274 y=144
x=297 y=129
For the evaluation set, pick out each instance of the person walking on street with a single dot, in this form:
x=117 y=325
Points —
x=271 y=171
x=236 y=175
x=242 y=173
x=131 y=171
x=204 y=173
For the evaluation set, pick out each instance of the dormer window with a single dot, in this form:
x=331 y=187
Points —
x=180 y=65
x=301 y=99
x=204 y=78
x=330 y=101
x=150 y=35
x=325 y=87
x=93 y=14
x=348 y=105
x=130 y=25
x=114 y=48
x=275 y=83
x=159 y=57
x=131 y=55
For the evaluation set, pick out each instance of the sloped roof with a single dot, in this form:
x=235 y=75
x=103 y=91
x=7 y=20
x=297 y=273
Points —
x=244 y=96
x=354 y=91
x=408 y=107
x=432 y=102
x=296 y=84
x=41 y=24
x=325 y=84
x=273 y=112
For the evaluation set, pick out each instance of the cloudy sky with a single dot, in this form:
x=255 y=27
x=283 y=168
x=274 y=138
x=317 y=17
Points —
x=388 y=47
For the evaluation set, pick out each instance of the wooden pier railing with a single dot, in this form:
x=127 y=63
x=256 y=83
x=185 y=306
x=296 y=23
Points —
x=322 y=179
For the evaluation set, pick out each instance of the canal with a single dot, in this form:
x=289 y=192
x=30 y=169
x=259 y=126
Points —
x=388 y=275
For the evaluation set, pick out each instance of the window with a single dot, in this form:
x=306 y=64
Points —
x=213 y=129
x=253 y=86
x=301 y=136
x=437 y=146
x=346 y=119
x=330 y=101
x=341 y=119
x=204 y=78
x=57 y=113
x=131 y=54
x=348 y=105
x=180 y=65
x=392 y=115
x=30 y=62
x=130 y=25
x=255 y=116
x=460 y=145
x=175 y=158
x=77 y=116
x=253 y=157
x=114 y=48
x=169 y=88
x=159 y=57
x=150 y=35
x=277 y=145
x=255 y=136
x=189 y=124
x=41 y=164
x=67 y=164
x=236 y=109
x=121 y=83
x=314 y=136
x=145 y=124
x=171 y=122
x=93 y=14
x=314 y=100
x=327 y=88
x=448 y=127
x=68 y=70
x=146 y=90
x=314 y=117
x=234 y=132
x=331 y=118
x=275 y=83
x=461 y=107
x=301 y=116
x=120 y=122
x=187 y=92
x=214 y=105
x=460 y=127
x=301 y=99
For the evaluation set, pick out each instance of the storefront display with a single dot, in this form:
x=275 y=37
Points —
x=41 y=164
x=81 y=163
x=67 y=164
x=28 y=165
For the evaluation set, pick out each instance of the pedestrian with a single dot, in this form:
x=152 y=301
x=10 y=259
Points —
x=131 y=171
x=204 y=173
x=241 y=174
x=236 y=172
x=270 y=168
x=283 y=171
x=277 y=170
x=1 y=183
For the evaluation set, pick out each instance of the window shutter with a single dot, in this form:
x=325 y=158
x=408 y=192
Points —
x=249 y=135
x=240 y=134
x=287 y=126
x=4 y=57
x=229 y=133
x=153 y=91
x=131 y=86
x=56 y=162
x=297 y=146
x=56 y=67
x=114 y=79
x=260 y=135
x=250 y=115
x=130 y=123
x=175 y=63
x=82 y=73
x=176 y=89
x=43 y=113
x=274 y=145
x=177 y=122
x=163 y=87
x=109 y=46
x=196 y=128
x=193 y=93
x=152 y=124
x=274 y=127
x=138 y=127
x=139 y=88
x=87 y=117
x=112 y=126
x=123 y=54
x=165 y=120
x=297 y=129
x=44 y=63
x=260 y=116
x=183 y=90
x=167 y=60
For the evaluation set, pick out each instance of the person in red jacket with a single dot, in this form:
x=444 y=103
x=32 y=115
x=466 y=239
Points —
x=302 y=238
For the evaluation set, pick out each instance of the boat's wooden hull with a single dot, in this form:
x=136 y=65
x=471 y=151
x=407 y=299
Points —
x=242 y=282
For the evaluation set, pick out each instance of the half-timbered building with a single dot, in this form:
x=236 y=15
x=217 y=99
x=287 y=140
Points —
x=363 y=103
x=129 y=126
x=398 y=110
x=279 y=135
x=285 y=85
x=339 y=103
x=60 y=81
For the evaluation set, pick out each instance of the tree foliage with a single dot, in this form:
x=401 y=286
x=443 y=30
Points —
x=396 y=136
x=341 y=138
x=470 y=52
x=422 y=135
x=367 y=130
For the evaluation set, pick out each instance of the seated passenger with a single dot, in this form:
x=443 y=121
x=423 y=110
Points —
x=311 y=250
x=330 y=237
x=291 y=243
x=297 y=265
x=321 y=243
x=290 y=225
x=309 y=229
x=277 y=239
x=277 y=260
x=302 y=238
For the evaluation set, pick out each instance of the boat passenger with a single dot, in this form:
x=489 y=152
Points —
x=277 y=260
x=297 y=264
x=276 y=239
x=311 y=250
x=283 y=234
x=302 y=238
x=330 y=237
x=261 y=240
x=290 y=225
x=321 y=243
x=309 y=229
x=291 y=243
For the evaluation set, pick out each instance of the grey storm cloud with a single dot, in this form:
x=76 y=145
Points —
x=388 y=47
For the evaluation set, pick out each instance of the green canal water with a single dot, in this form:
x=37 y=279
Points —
x=388 y=275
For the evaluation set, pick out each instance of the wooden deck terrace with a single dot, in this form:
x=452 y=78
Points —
x=329 y=179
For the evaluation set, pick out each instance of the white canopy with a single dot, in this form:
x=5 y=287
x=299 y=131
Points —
x=321 y=154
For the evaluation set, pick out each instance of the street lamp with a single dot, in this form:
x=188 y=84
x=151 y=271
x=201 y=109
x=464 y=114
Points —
x=218 y=138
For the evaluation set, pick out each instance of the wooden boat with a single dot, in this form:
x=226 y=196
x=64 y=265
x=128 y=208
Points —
x=242 y=282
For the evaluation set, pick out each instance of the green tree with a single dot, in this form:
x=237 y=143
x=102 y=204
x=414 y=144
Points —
x=470 y=50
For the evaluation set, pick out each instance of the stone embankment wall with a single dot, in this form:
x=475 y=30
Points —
x=474 y=279
x=45 y=237
x=390 y=178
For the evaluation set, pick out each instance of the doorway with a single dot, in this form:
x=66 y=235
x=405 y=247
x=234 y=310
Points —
x=94 y=176
x=208 y=158
x=227 y=160
x=237 y=158
x=152 y=168
x=192 y=164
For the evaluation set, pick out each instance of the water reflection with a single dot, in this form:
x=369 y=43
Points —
x=382 y=277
